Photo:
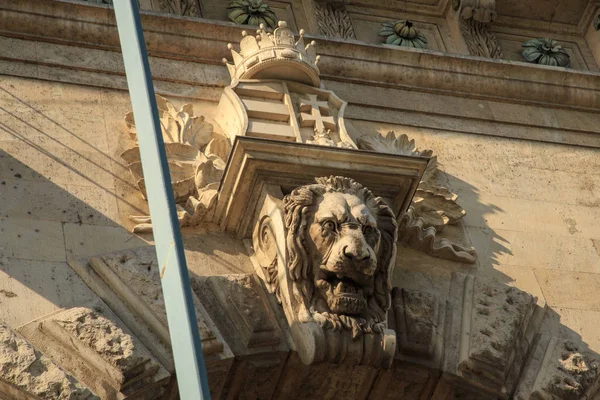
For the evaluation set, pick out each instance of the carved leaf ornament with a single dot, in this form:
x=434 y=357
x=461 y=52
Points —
x=252 y=12
x=546 y=51
x=194 y=153
x=433 y=206
x=403 y=33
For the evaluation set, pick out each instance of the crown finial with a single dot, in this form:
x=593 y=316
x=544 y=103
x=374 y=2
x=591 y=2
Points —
x=275 y=55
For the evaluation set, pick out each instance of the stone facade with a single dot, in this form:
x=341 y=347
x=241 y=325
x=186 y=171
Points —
x=361 y=218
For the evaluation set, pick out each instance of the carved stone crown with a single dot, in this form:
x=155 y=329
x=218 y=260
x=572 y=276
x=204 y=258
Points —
x=274 y=56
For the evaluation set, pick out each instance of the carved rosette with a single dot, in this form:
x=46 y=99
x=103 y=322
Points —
x=331 y=272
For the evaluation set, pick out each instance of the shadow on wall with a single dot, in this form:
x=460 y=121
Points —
x=487 y=242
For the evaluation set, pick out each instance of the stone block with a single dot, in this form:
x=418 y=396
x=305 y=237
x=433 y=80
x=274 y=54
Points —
x=491 y=330
x=419 y=324
x=569 y=289
x=135 y=275
x=530 y=216
x=48 y=161
x=18 y=235
x=500 y=247
x=30 y=289
x=82 y=240
x=404 y=381
x=50 y=202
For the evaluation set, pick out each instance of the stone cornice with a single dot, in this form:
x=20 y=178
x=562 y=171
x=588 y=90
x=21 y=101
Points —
x=203 y=41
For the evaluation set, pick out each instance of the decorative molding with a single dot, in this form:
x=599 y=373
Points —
x=334 y=21
x=546 y=51
x=184 y=8
x=433 y=72
x=437 y=206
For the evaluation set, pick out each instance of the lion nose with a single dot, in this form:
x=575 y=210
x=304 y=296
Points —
x=356 y=254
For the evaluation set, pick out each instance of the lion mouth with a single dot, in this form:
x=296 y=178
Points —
x=340 y=285
x=343 y=294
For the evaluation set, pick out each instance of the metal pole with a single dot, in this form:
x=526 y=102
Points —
x=183 y=327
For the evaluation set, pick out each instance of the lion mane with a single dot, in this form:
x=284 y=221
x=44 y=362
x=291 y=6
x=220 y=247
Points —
x=298 y=206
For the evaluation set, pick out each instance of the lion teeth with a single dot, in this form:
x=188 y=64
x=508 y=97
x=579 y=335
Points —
x=344 y=288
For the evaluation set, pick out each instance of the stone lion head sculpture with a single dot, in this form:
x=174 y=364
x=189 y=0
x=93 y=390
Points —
x=341 y=243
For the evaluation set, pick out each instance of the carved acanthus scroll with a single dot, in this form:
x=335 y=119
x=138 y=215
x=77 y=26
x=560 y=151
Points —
x=334 y=21
x=433 y=206
x=475 y=17
x=195 y=154
x=480 y=40
x=418 y=236
x=184 y=8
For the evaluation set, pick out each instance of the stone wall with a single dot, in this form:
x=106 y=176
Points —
x=523 y=160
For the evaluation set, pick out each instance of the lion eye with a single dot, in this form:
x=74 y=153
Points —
x=330 y=226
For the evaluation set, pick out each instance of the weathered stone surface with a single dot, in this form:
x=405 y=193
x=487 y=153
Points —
x=138 y=272
x=103 y=336
x=26 y=372
x=499 y=318
x=419 y=325
x=95 y=346
x=244 y=300
x=560 y=368
x=494 y=333
x=324 y=381
x=404 y=381
x=571 y=372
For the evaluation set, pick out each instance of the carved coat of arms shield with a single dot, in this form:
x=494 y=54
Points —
x=283 y=110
